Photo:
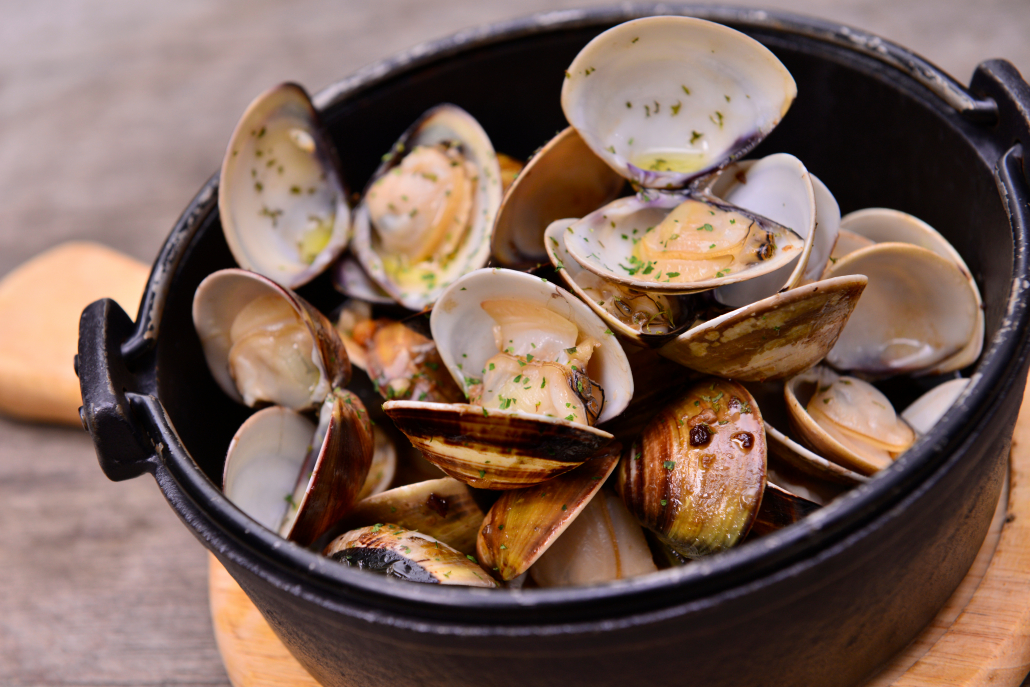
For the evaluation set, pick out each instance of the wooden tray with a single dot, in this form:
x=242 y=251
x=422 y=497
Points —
x=981 y=637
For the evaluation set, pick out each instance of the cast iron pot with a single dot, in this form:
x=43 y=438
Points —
x=824 y=602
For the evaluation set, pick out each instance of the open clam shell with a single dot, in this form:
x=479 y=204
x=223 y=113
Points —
x=773 y=338
x=697 y=476
x=796 y=463
x=676 y=243
x=883 y=225
x=295 y=478
x=664 y=100
x=846 y=420
x=442 y=508
x=563 y=179
x=926 y=410
x=781 y=188
x=396 y=552
x=918 y=311
x=523 y=523
x=493 y=449
x=603 y=543
x=637 y=316
x=265 y=344
x=427 y=220
x=464 y=332
x=281 y=199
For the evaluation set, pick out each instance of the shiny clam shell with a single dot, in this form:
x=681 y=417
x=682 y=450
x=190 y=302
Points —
x=623 y=242
x=463 y=330
x=666 y=99
x=295 y=478
x=442 y=508
x=418 y=284
x=917 y=311
x=882 y=225
x=867 y=435
x=391 y=550
x=523 y=523
x=563 y=179
x=282 y=203
x=694 y=481
x=297 y=371
x=603 y=543
x=493 y=449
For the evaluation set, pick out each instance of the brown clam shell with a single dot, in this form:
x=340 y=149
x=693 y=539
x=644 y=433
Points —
x=563 y=179
x=442 y=508
x=413 y=556
x=340 y=470
x=695 y=482
x=491 y=449
x=773 y=338
x=524 y=522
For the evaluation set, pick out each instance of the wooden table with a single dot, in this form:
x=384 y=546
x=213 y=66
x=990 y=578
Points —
x=112 y=114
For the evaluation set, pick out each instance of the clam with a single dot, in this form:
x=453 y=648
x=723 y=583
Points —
x=603 y=543
x=926 y=410
x=918 y=311
x=781 y=188
x=265 y=344
x=664 y=100
x=697 y=475
x=846 y=420
x=882 y=225
x=673 y=243
x=296 y=478
x=539 y=369
x=404 y=364
x=791 y=464
x=523 y=523
x=426 y=217
x=281 y=198
x=636 y=316
x=442 y=508
x=396 y=552
x=773 y=338
x=563 y=179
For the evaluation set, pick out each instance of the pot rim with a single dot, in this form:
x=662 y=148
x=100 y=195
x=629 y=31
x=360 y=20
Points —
x=230 y=533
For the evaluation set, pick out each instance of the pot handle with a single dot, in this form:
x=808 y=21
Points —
x=999 y=81
x=123 y=448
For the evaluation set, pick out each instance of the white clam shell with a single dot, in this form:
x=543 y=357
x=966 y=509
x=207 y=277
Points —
x=917 y=311
x=882 y=225
x=602 y=242
x=884 y=422
x=564 y=178
x=222 y=295
x=781 y=188
x=681 y=88
x=264 y=458
x=926 y=410
x=278 y=173
x=463 y=331
x=441 y=124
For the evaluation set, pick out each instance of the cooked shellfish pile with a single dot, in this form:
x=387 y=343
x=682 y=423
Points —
x=635 y=350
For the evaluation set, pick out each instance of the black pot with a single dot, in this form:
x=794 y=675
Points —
x=824 y=602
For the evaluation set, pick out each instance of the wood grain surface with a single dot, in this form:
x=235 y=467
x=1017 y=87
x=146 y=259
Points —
x=112 y=115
